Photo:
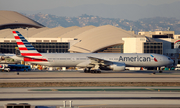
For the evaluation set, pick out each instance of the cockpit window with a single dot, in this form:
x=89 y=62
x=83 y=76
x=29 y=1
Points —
x=169 y=58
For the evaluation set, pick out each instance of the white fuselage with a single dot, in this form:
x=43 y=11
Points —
x=82 y=60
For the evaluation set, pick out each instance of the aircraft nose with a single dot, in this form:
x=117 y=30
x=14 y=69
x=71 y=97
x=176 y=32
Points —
x=171 y=61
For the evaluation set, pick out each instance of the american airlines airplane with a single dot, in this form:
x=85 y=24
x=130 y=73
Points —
x=92 y=62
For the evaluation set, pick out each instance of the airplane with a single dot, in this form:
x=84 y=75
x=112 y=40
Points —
x=3 y=58
x=92 y=62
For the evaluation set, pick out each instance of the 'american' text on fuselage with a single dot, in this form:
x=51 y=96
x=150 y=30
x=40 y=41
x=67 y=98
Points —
x=135 y=59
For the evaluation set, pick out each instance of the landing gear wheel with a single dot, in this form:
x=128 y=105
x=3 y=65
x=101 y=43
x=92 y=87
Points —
x=89 y=70
x=98 y=71
x=85 y=70
x=92 y=71
x=160 y=71
x=95 y=71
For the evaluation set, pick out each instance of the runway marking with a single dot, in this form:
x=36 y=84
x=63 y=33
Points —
x=55 y=78
x=91 y=98
x=93 y=105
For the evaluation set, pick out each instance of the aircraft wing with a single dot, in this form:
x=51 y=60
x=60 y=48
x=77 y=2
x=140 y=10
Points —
x=95 y=60
x=106 y=64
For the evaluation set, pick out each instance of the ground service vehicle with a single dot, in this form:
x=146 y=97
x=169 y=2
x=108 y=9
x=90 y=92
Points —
x=19 y=67
x=4 y=68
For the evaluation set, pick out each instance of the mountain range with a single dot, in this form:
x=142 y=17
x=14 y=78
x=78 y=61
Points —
x=145 y=24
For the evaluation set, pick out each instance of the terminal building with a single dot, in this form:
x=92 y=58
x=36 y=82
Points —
x=88 y=39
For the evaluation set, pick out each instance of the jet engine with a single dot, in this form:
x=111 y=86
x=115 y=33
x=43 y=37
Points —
x=2 y=58
x=114 y=66
x=117 y=66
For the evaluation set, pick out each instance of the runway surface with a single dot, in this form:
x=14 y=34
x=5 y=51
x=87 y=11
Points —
x=79 y=76
x=121 y=97
x=92 y=97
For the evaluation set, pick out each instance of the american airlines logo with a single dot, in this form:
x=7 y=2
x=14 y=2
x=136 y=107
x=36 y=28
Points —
x=137 y=59
x=154 y=58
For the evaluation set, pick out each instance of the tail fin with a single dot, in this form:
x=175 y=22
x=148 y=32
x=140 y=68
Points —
x=26 y=49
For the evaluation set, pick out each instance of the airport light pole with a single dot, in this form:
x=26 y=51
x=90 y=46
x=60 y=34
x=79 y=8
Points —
x=27 y=38
x=131 y=29
x=168 y=31
x=27 y=32
x=150 y=34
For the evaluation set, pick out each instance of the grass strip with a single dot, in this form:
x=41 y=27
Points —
x=90 y=84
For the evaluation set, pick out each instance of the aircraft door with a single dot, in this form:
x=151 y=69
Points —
x=73 y=59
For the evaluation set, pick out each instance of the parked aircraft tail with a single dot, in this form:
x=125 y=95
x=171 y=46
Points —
x=29 y=53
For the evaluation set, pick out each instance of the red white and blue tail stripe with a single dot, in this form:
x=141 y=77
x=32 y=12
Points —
x=29 y=53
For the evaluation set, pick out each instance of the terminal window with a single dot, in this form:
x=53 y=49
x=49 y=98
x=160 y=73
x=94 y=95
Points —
x=153 y=47
x=7 y=47
x=112 y=49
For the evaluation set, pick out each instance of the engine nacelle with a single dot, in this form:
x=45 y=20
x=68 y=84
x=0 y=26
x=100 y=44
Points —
x=2 y=58
x=117 y=66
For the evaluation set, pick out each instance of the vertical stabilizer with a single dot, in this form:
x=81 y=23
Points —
x=26 y=49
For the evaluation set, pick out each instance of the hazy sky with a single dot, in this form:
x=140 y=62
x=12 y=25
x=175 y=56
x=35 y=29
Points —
x=33 y=5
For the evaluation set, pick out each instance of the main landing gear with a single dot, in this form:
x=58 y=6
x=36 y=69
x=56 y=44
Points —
x=95 y=71
x=87 y=71
x=160 y=71
x=91 y=71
